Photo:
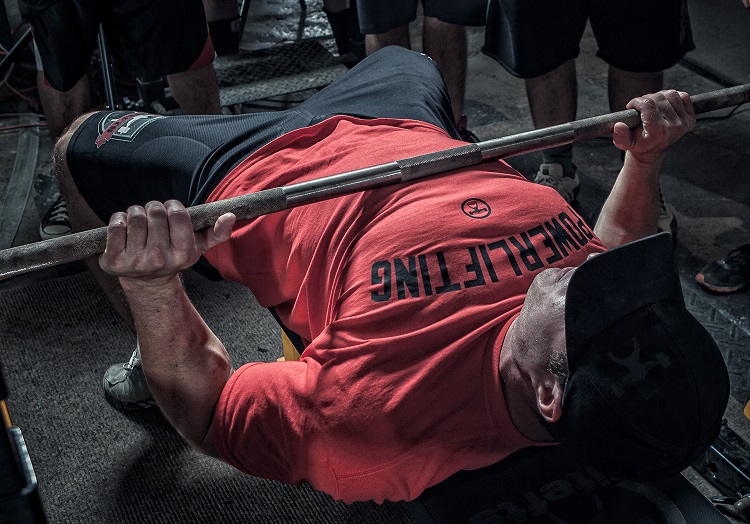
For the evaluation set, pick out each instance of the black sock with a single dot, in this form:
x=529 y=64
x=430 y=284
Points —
x=339 y=23
x=356 y=39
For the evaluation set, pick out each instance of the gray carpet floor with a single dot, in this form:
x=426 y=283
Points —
x=96 y=464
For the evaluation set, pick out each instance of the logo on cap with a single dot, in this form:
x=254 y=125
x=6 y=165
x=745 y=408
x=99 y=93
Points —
x=637 y=370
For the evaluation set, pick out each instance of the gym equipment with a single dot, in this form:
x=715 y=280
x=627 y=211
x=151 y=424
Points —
x=48 y=253
x=19 y=497
x=251 y=76
x=544 y=485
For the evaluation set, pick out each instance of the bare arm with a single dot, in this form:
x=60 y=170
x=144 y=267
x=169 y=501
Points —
x=631 y=209
x=186 y=365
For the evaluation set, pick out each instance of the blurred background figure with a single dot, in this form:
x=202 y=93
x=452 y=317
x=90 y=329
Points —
x=729 y=274
x=386 y=22
x=223 y=19
x=732 y=273
x=145 y=40
x=342 y=17
x=539 y=42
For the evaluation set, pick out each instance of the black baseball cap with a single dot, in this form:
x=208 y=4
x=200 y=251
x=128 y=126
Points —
x=647 y=386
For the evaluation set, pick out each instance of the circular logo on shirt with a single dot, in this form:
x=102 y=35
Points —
x=476 y=208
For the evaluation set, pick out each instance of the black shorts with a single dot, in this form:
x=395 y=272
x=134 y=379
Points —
x=530 y=38
x=120 y=158
x=147 y=38
x=380 y=16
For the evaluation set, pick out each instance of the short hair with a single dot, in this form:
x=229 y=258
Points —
x=557 y=364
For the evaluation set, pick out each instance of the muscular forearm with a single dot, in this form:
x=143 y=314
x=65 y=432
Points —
x=185 y=363
x=631 y=210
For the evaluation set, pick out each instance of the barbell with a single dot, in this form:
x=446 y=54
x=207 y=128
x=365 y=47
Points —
x=84 y=244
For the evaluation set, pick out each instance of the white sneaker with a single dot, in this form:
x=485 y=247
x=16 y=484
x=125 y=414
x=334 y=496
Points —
x=551 y=175
x=125 y=385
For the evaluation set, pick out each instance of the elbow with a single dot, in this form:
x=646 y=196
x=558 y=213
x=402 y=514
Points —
x=188 y=393
x=196 y=428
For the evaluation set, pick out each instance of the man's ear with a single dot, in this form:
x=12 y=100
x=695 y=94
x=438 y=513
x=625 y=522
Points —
x=549 y=395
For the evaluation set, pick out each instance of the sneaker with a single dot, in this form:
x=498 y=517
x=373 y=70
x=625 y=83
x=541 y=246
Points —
x=55 y=222
x=551 y=175
x=125 y=384
x=727 y=275
x=666 y=220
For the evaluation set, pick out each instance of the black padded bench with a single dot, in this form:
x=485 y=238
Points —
x=544 y=486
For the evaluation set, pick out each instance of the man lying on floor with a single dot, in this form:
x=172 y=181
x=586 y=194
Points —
x=444 y=322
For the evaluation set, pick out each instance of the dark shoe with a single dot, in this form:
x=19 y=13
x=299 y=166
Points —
x=55 y=222
x=464 y=133
x=468 y=136
x=727 y=275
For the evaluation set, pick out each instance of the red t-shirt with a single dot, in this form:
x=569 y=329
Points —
x=402 y=294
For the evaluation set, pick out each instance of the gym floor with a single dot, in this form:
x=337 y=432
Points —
x=706 y=178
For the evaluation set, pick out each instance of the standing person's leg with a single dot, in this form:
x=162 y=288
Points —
x=397 y=36
x=62 y=70
x=385 y=22
x=623 y=86
x=62 y=79
x=336 y=12
x=548 y=65
x=220 y=10
x=553 y=97
x=445 y=41
x=196 y=90
x=147 y=41
x=446 y=44
x=553 y=100
x=62 y=107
